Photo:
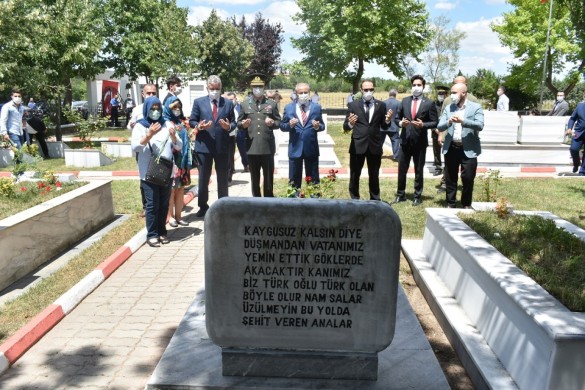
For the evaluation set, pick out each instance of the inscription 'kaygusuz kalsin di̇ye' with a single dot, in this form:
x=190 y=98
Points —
x=302 y=276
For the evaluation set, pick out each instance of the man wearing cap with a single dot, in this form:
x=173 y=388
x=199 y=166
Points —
x=258 y=118
x=441 y=93
x=213 y=117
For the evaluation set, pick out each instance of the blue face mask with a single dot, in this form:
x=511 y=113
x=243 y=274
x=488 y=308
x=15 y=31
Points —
x=154 y=115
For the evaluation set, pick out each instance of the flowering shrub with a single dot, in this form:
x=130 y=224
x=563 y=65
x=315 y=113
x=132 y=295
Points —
x=27 y=189
x=490 y=180
x=503 y=208
x=324 y=189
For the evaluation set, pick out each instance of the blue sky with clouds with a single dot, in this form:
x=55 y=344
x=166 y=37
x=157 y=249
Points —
x=480 y=49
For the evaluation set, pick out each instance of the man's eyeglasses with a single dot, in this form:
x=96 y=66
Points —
x=368 y=90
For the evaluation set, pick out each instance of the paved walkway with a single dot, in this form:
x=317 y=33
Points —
x=116 y=336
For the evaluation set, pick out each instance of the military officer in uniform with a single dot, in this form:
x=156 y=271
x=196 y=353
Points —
x=258 y=118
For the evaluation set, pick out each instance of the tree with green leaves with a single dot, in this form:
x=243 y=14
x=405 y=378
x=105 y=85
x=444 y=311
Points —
x=484 y=84
x=222 y=50
x=342 y=35
x=149 y=38
x=266 y=39
x=441 y=57
x=46 y=43
x=524 y=30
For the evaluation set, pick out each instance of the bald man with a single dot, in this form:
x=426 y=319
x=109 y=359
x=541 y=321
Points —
x=461 y=123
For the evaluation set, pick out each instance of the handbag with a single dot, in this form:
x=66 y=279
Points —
x=159 y=169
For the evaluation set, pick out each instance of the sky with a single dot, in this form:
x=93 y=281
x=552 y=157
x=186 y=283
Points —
x=480 y=49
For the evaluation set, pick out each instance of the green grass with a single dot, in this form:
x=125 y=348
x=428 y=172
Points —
x=549 y=255
x=18 y=312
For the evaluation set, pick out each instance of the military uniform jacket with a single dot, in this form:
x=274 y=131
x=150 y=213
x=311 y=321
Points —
x=259 y=137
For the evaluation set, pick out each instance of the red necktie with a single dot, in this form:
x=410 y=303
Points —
x=414 y=104
x=214 y=109
x=303 y=114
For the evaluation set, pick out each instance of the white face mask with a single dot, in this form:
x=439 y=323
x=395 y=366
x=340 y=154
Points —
x=178 y=90
x=368 y=96
x=560 y=98
x=177 y=112
x=455 y=98
x=303 y=97
x=213 y=93
x=17 y=100
x=154 y=115
x=417 y=91
x=258 y=91
x=440 y=98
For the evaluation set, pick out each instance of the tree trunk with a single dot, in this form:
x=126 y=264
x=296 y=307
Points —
x=358 y=75
x=58 y=133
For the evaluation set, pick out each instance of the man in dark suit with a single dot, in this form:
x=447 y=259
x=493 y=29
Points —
x=258 y=118
x=365 y=117
x=577 y=121
x=561 y=106
x=416 y=115
x=213 y=117
x=302 y=120
x=393 y=131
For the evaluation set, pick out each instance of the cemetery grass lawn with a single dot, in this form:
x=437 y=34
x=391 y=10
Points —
x=549 y=255
x=58 y=165
x=28 y=199
x=17 y=313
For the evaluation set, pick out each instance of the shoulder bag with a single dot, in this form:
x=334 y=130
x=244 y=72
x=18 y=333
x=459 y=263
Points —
x=159 y=169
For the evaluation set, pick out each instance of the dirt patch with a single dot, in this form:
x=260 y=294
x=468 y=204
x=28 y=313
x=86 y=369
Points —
x=448 y=359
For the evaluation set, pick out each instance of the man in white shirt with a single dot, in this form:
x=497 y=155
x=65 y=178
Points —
x=11 y=120
x=503 y=101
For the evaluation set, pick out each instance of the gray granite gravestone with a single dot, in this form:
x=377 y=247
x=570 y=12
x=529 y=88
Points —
x=302 y=288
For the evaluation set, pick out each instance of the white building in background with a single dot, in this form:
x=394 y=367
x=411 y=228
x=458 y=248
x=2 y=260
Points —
x=99 y=90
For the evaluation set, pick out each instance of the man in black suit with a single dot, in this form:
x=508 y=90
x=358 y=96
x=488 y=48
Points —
x=365 y=117
x=416 y=115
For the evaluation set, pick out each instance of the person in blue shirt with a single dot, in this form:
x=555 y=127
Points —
x=115 y=106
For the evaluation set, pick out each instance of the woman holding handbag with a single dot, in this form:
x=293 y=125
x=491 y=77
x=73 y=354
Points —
x=172 y=113
x=154 y=140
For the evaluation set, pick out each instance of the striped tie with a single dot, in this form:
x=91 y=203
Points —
x=303 y=114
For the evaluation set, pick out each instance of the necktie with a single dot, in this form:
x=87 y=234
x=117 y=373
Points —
x=214 y=109
x=368 y=110
x=414 y=107
x=303 y=114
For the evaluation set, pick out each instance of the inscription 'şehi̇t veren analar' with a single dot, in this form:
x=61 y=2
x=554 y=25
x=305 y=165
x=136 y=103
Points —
x=302 y=276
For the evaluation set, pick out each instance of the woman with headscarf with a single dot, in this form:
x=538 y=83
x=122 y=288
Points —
x=172 y=113
x=152 y=135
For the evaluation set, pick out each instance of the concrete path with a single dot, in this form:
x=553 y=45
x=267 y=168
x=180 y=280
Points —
x=116 y=336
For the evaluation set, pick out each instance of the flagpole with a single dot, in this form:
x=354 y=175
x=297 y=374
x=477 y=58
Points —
x=546 y=54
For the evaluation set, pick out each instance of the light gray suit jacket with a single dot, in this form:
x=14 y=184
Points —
x=471 y=126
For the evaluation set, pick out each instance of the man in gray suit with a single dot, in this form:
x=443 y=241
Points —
x=462 y=121
x=393 y=131
x=561 y=106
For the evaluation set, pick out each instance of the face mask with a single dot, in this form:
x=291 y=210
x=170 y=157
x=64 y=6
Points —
x=303 y=97
x=455 y=98
x=368 y=96
x=257 y=91
x=560 y=98
x=17 y=100
x=178 y=90
x=177 y=112
x=213 y=93
x=440 y=98
x=154 y=115
x=417 y=91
